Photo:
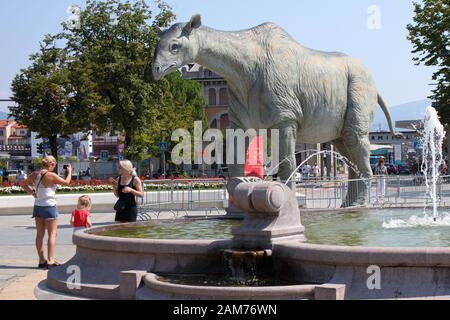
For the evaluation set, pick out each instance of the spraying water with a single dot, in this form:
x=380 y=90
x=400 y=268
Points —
x=338 y=156
x=432 y=159
x=334 y=154
x=432 y=138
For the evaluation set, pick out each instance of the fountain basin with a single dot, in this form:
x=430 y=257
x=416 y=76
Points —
x=405 y=272
x=155 y=289
x=101 y=259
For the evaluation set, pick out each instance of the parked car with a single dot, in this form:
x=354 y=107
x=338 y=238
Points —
x=404 y=169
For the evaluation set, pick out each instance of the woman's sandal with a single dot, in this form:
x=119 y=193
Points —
x=55 y=264
x=43 y=265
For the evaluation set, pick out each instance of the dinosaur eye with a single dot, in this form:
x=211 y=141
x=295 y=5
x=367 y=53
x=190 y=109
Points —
x=174 y=47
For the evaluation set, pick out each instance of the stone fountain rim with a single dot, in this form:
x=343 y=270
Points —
x=293 y=250
x=84 y=239
x=365 y=256
x=151 y=281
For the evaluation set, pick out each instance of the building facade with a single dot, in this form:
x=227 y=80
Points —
x=15 y=144
x=215 y=91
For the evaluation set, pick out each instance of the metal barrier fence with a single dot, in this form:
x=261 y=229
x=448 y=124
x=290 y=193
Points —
x=392 y=191
x=173 y=198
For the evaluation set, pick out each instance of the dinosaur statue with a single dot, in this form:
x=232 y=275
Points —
x=275 y=83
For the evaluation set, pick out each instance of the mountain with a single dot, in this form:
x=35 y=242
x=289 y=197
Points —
x=3 y=115
x=408 y=111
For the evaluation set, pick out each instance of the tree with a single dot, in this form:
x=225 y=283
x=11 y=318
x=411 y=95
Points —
x=44 y=95
x=430 y=35
x=179 y=108
x=113 y=50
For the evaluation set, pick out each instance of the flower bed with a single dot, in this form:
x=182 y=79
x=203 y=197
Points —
x=94 y=186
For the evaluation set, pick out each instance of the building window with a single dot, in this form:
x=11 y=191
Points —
x=1 y=133
x=224 y=122
x=373 y=138
x=223 y=96
x=212 y=97
x=380 y=138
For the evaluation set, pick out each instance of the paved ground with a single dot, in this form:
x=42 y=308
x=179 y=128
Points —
x=18 y=257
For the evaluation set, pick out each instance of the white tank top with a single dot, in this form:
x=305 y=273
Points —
x=45 y=197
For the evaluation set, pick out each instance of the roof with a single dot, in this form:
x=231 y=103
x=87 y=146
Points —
x=19 y=126
x=5 y=123
x=376 y=147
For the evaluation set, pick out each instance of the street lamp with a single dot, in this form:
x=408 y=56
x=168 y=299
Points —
x=162 y=147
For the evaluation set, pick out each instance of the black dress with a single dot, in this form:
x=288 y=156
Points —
x=130 y=212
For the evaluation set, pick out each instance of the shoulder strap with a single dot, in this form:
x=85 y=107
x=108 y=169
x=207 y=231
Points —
x=131 y=182
x=40 y=180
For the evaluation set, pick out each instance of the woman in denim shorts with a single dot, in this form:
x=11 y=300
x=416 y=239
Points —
x=42 y=185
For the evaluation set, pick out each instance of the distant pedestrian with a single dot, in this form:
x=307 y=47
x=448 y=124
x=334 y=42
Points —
x=42 y=185
x=315 y=170
x=381 y=172
x=306 y=169
x=21 y=176
x=81 y=216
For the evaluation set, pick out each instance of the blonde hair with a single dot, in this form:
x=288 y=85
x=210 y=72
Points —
x=128 y=167
x=48 y=160
x=84 y=202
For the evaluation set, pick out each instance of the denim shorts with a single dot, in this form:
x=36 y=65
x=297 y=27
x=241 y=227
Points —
x=47 y=213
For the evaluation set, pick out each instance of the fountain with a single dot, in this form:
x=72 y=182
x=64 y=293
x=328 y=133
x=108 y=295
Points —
x=264 y=256
x=432 y=159
x=432 y=139
x=269 y=254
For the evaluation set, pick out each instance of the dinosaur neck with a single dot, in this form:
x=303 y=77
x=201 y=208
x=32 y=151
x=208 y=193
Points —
x=229 y=54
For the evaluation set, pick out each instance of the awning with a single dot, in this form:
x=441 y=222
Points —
x=377 y=147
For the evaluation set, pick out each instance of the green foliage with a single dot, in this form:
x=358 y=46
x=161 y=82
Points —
x=111 y=70
x=430 y=35
x=44 y=94
x=179 y=108
x=37 y=162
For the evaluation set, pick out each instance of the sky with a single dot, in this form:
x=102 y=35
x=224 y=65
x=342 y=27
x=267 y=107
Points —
x=374 y=31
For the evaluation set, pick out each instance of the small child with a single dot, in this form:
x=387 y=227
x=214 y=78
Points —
x=81 y=217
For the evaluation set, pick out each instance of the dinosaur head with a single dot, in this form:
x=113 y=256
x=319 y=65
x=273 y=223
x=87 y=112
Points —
x=176 y=47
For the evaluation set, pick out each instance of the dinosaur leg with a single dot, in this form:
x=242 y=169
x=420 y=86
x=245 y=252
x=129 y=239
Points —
x=287 y=142
x=361 y=104
x=350 y=198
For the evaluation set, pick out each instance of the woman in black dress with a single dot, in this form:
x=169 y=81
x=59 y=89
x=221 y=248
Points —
x=127 y=187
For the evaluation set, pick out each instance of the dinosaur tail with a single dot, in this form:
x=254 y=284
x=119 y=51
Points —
x=387 y=115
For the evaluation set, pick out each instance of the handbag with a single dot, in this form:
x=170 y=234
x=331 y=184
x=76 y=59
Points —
x=121 y=205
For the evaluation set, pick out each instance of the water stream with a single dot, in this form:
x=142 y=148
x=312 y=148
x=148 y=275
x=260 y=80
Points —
x=432 y=159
